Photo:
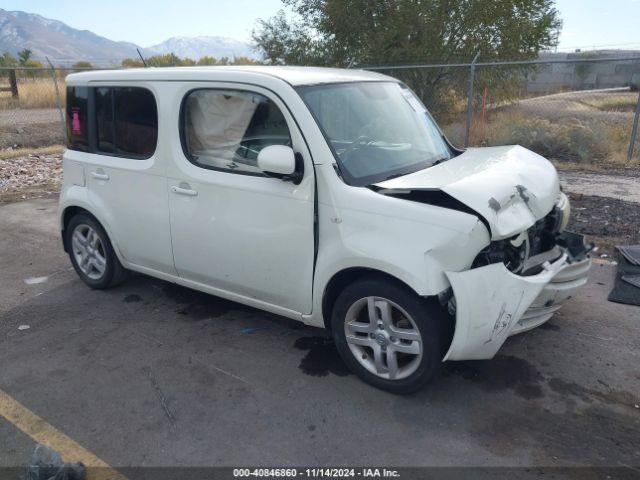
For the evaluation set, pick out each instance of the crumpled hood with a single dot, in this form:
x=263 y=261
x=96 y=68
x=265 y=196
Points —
x=511 y=187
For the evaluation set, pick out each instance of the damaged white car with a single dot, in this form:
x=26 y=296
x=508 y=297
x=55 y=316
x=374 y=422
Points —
x=327 y=196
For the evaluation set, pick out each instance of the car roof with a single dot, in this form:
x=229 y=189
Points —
x=295 y=76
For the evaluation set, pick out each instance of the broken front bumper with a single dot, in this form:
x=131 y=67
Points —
x=492 y=303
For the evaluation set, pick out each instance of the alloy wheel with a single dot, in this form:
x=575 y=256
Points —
x=89 y=251
x=383 y=338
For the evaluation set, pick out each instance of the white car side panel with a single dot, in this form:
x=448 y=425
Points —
x=411 y=241
x=252 y=235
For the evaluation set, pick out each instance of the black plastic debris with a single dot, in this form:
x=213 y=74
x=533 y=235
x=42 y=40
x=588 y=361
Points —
x=627 y=285
x=46 y=464
x=631 y=253
x=632 y=279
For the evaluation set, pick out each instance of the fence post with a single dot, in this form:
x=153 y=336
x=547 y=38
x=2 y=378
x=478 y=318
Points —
x=13 y=83
x=472 y=74
x=634 y=131
x=58 y=101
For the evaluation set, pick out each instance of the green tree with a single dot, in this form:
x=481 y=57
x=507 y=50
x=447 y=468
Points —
x=24 y=56
x=171 y=59
x=7 y=60
x=387 y=32
x=339 y=32
x=132 y=63
x=82 y=64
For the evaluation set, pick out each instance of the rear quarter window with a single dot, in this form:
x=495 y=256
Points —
x=77 y=118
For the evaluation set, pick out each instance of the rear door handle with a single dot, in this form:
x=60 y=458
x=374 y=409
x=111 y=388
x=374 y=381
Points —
x=184 y=191
x=100 y=176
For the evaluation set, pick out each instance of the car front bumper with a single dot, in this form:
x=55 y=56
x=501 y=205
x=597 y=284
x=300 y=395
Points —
x=492 y=303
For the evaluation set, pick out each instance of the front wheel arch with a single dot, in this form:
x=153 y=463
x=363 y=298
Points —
x=341 y=279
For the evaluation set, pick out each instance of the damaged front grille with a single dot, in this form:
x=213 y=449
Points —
x=515 y=252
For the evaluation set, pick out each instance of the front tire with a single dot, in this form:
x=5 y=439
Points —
x=388 y=335
x=92 y=254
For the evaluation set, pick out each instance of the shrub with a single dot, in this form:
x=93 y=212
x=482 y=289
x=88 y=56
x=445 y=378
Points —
x=567 y=139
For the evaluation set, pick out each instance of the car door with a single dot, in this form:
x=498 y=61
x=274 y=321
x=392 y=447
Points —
x=233 y=227
x=125 y=179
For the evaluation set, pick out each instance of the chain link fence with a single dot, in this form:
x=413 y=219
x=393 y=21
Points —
x=580 y=110
x=31 y=107
x=575 y=109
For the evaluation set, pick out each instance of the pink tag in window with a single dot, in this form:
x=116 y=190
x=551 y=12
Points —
x=75 y=121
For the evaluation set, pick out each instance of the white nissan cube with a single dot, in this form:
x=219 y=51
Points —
x=327 y=196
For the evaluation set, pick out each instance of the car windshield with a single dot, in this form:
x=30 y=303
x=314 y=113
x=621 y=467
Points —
x=377 y=130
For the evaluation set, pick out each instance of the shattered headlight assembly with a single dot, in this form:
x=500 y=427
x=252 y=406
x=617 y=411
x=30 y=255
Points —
x=564 y=206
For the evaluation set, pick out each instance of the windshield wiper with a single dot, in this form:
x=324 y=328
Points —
x=440 y=160
x=394 y=175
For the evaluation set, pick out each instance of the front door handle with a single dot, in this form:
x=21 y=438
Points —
x=184 y=191
x=100 y=175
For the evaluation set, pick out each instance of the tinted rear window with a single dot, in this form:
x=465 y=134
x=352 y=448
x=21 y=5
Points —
x=136 y=119
x=77 y=118
x=124 y=121
x=104 y=119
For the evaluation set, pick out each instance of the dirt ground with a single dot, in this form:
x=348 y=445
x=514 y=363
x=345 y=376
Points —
x=30 y=128
x=610 y=105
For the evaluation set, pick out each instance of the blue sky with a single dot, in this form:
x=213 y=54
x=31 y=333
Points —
x=587 y=23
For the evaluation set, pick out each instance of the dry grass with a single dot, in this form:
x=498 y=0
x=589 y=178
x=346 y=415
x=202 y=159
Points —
x=34 y=93
x=22 y=152
x=592 y=130
x=624 y=102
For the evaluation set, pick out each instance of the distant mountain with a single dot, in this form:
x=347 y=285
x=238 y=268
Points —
x=56 y=40
x=197 y=47
x=65 y=45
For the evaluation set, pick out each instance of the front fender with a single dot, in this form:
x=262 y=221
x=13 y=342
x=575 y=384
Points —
x=418 y=254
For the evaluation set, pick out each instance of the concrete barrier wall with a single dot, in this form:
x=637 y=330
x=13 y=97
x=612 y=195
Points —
x=585 y=76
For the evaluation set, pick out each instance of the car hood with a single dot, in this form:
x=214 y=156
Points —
x=509 y=187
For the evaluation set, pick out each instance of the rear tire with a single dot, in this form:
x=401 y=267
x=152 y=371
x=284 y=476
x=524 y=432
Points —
x=400 y=348
x=92 y=254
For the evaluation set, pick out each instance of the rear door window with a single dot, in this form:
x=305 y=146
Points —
x=136 y=120
x=126 y=121
x=105 y=132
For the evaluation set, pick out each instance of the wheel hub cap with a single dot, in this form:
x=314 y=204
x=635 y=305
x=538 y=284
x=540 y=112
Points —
x=383 y=338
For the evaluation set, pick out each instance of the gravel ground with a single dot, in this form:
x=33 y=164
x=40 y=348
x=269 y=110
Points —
x=605 y=221
x=29 y=177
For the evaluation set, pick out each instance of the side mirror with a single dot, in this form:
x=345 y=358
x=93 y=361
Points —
x=278 y=159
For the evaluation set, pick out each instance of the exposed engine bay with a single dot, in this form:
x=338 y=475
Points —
x=545 y=241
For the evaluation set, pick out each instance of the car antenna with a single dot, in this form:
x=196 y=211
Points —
x=142 y=58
